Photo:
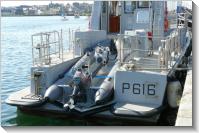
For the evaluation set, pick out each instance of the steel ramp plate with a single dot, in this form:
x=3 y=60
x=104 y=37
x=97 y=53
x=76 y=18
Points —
x=24 y=98
x=92 y=110
x=136 y=110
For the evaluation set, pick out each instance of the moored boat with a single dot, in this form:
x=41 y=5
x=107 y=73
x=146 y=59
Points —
x=129 y=65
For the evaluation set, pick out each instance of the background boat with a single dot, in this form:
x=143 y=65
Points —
x=64 y=18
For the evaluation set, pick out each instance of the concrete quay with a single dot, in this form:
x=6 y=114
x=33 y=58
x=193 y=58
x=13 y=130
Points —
x=184 y=116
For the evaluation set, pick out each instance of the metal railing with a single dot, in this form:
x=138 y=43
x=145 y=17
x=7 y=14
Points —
x=142 y=53
x=183 y=19
x=53 y=47
x=45 y=46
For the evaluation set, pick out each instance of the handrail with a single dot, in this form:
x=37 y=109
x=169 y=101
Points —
x=45 y=45
x=130 y=51
x=50 y=46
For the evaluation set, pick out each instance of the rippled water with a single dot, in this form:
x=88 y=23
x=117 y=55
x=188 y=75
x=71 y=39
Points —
x=16 y=59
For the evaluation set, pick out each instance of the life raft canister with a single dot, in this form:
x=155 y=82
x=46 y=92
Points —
x=150 y=34
x=166 y=22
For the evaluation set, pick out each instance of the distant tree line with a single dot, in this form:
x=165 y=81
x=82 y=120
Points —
x=84 y=9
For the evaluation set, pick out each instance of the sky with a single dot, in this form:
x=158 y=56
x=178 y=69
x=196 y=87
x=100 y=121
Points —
x=17 y=3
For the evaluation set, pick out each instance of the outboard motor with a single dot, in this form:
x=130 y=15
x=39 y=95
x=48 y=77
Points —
x=54 y=92
x=101 y=54
x=81 y=81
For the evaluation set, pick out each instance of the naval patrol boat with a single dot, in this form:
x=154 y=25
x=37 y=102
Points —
x=129 y=65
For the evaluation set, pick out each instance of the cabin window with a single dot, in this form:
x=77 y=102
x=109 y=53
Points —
x=129 y=6
x=142 y=16
x=143 y=4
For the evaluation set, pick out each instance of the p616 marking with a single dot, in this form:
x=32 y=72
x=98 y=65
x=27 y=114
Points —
x=140 y=89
